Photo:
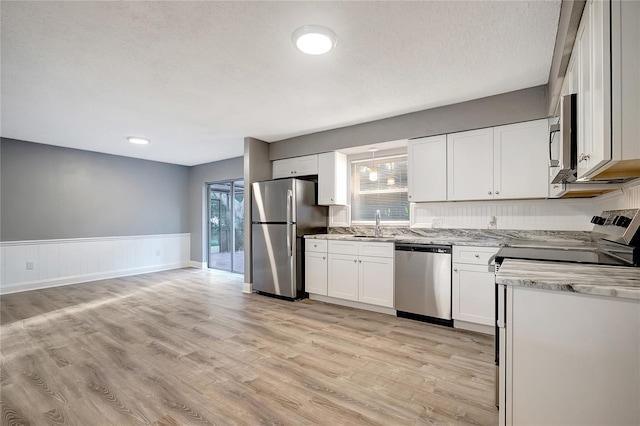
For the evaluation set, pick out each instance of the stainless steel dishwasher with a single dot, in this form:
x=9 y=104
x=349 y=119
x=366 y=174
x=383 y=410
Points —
x=423 y=282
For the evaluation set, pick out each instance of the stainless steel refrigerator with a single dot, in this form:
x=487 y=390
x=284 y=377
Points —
x=282 y=211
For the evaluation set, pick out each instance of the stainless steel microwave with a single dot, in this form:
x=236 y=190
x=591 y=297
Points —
x=563 y=142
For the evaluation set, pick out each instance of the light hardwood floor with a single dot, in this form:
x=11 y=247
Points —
x=187 y=347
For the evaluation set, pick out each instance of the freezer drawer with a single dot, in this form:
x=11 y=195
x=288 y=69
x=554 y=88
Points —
x=274 y=254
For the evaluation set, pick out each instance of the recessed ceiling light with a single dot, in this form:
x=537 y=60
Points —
x=314 y=39
x=138 y=141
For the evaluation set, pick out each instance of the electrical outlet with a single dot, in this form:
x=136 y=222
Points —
x=157 y=252
x=29 y=266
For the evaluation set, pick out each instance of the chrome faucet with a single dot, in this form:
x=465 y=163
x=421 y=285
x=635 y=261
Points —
x=378 y=227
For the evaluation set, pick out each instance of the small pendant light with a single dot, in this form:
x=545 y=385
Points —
x=373 y=171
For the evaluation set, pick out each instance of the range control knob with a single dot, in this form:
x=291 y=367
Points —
x=598 y=220
x=621 y=221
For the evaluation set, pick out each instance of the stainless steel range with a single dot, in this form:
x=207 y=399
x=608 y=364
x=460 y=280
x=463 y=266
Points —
x=618 y=244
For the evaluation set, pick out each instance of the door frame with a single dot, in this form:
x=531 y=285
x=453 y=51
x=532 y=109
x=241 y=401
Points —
x=232 y=201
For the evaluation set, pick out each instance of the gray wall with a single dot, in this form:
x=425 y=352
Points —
x=199 y=176
x=49 y=192
x=507 y=108
x=257 y=167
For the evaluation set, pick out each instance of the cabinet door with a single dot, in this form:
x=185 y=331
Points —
x=583 y=49
x=427 y=169
x=332 y=179
x=315 y=273
x=595 y=63
x=470 y=165
x=376 y=281
x=343 y=276
x=521 y=160
x=305 y=166
x=283 y=168
x=473 y=294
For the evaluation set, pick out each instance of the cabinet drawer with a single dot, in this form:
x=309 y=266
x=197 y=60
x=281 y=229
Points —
x=374 y=249
x=474 y=255
x=343 y=247
x=312 y=244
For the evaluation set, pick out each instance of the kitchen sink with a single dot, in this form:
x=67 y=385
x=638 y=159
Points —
x=365 y=236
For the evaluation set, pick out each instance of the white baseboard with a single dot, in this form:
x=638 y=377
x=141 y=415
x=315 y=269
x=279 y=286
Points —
x=37 y=264
x=198 y=265
x=247 y=288
x=480 y=328
x=352 y=304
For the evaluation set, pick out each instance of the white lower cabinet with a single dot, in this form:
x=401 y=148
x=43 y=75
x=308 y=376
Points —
x=343 y=276
x=473 y=292
x=376 y=281
x=315 y=273
x=315 y=266
x=352 y=276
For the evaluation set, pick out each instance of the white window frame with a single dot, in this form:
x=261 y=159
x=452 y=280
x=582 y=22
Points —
x=380 y=155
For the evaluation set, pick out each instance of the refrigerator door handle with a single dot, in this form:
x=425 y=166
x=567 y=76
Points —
x=289 y=207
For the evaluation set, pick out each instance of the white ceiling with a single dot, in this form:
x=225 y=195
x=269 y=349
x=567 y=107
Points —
x=197 y=77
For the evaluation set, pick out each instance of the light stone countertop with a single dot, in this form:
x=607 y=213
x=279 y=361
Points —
x=612 y=281
x=468 y=237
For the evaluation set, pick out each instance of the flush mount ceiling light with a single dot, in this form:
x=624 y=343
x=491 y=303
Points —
x=138 y=141
x=373 y=171
x=314 y=39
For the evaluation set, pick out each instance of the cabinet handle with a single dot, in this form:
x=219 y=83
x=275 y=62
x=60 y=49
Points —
x=455 y=269
x=497 y=192
x=360 y=261
x=489 y=192
x=355 y=261
x=583 y=157
x=323 y=258
x=477 y=255
x=332 y=199
x=409 y=196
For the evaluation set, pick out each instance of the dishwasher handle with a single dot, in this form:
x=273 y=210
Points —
x=423 y=248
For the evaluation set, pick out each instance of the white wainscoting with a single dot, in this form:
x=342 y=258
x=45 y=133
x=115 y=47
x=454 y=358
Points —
x=28 y=265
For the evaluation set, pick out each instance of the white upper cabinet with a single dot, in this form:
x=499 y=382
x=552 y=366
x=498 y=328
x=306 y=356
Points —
x=504 y=162
x=607 y=65
x=283 y=168
x=470 y=165
x=521 y=163
x=427 y=169
x=594 y=141
x=332 y=179
x=293 y=167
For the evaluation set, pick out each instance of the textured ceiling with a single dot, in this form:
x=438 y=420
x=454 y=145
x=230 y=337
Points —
x=197 y=77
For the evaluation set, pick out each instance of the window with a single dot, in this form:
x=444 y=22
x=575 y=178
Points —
x=387 y=192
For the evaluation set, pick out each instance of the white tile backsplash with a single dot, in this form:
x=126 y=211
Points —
x=555 y=214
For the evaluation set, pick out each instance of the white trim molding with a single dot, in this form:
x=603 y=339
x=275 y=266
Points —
x=247 y=288
x=36 y=264
x=198 y=265
x=352 y=304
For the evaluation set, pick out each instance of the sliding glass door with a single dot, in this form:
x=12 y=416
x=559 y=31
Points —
x=226 y=226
